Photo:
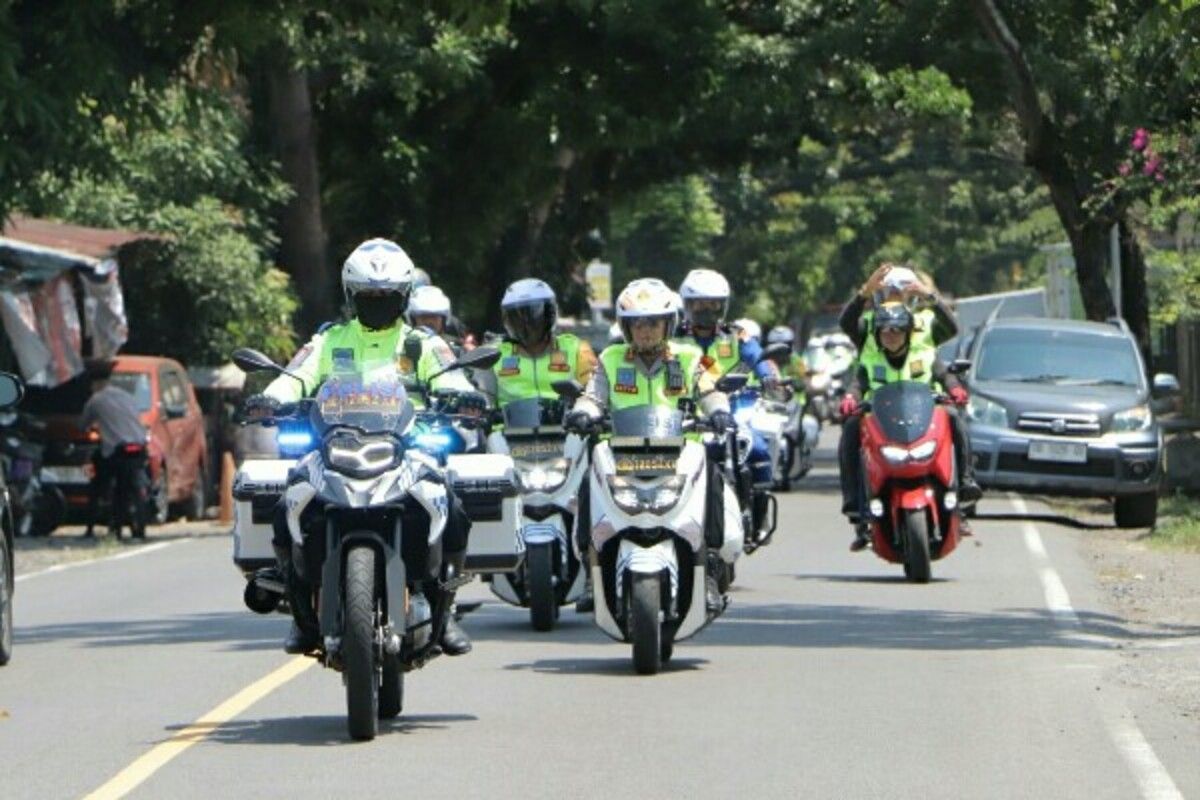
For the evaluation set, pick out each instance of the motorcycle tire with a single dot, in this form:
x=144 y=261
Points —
x=645 y=627
x=358 y=644
x=916 y=546
x=49 y=510
x=6 y=593
x=539 y=585
x=391 y=688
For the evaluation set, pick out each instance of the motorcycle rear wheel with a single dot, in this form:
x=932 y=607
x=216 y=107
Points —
x=917 y=566
x=358 y=644
x=539 y=584
x=645 y=627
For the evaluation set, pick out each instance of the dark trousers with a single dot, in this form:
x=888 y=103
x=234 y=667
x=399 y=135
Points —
x=127 y=473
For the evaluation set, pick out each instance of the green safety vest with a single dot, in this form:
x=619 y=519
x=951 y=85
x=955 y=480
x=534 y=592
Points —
x=630 y=387
x=918 y=366
x=922 y=334
x=520 y=376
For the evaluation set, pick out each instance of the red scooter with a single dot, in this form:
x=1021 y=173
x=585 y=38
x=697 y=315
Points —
x=908 y=459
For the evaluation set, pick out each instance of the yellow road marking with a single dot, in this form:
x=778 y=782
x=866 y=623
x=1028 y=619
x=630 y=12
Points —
x=158 y=756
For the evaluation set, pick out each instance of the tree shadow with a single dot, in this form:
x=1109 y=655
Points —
x=608 y=667
x=308 y=731
x=237 y=630
x=1051 y=519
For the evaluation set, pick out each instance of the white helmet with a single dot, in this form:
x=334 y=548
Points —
x=380 y=267
x=898 y=279
x=781 y=334
x=751 y=328
x=529 y=311
x=615 y=335
x=428 y=301
x=421 y=278
x=704 y=284
x=646 y=298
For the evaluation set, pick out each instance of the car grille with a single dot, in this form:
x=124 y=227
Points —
x=1060 y=424
x=1096 y=467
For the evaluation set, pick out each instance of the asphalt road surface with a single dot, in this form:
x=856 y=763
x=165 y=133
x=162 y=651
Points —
x=828 y=677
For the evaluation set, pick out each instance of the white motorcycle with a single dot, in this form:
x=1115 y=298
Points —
x=384 y=596
x=648 y=560
x=551 y=465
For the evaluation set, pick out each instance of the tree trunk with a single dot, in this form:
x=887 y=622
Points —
x=1135 y=300
x=301 y=228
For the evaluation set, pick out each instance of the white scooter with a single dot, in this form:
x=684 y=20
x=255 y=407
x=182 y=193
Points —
x=647 y=555
x=551 y=465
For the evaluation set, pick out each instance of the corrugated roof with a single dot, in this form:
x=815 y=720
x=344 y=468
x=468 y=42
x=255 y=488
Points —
x=89 y=243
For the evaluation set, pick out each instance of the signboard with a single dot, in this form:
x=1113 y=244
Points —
x=599 y=285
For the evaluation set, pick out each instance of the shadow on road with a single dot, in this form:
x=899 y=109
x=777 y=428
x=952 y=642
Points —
x=881 y=579
x=841 y=626
x=237 y=630
x=615 y=667
x=310 y=731
x=1052 y=519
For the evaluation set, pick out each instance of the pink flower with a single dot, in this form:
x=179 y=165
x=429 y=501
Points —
x=1152 y=166
x=1141 y=139
x=1158 y=176
x=1124 y=169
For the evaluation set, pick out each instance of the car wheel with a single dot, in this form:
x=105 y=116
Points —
x=1136 y=511
x=198 y=501
x=160 y=502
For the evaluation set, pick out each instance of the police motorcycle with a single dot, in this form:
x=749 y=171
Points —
x=551 y=465
x=801 y=431
x=383 y=601
x=647 y=556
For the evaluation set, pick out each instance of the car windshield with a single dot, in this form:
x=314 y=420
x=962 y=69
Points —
x=1057 y=357
x=376 y=405
x=137 y=384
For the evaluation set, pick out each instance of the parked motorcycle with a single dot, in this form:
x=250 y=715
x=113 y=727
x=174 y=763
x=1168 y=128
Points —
x=551 y=465
x=647 y=555
x=37 y=507
x=384 y=595
x=908 y=459
x=11 y=390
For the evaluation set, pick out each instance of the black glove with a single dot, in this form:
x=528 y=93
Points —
x=722 y=422
x=471 y=403
x=579 y=422
x=260 y=406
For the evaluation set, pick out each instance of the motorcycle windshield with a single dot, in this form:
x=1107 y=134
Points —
x=648 y=422
x=533 y=412
x=371 y=404
x=903 y=410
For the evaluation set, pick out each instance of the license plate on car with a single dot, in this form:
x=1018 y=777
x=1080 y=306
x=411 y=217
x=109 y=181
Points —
x=1063 y=452
x=64 y=475
x=646 y=463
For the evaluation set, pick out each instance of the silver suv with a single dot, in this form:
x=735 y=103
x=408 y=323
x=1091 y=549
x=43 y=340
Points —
x=1062 y=407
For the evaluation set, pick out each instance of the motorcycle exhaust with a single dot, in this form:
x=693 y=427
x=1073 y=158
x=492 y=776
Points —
x=264 y=591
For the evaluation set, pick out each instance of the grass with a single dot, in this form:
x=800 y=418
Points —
x=1178 y=525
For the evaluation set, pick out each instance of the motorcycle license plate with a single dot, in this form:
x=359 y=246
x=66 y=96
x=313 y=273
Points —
x=646 y=463
x=534 y=450
x=1062 y=452
x=64 y=475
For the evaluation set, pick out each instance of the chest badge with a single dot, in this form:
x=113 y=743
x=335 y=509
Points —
x=510 y=365
x=558 y=362
x=626 y=381
x=725 y=350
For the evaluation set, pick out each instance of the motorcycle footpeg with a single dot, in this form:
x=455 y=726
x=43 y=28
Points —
x=457 y=582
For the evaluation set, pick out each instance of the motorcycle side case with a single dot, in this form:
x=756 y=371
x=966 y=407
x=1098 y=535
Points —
x=257 y=487
x=488 y=487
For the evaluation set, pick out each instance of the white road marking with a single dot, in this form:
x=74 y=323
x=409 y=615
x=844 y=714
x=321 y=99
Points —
x=140 y=551
x=1151 y=776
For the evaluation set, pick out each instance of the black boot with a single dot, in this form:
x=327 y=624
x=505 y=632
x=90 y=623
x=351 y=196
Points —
x=714 y=600
x=585 y=603
x=304 y=635
x=862 y=537
x=968 y=490
x=454 y=641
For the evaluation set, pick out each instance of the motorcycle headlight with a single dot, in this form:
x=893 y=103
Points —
x=656 y=499
x=902 y=455
x=361 y=456
x=294 y=441
x=986 y=412
x=625 y=495
x=923 y=451
x=546 y=477
x=665 y=495
x=1137 y=418
x=894 y=455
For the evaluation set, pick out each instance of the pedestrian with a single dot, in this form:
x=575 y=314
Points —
x=114 y=413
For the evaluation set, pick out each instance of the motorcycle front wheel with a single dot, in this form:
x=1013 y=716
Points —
x=358 y=644
x=916 y=546
x=645 y=626
x=539 y=584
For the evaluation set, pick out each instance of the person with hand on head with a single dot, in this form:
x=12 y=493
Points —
x=377 y=280
x=114 y=413
x=898 y=356
x=648 y=368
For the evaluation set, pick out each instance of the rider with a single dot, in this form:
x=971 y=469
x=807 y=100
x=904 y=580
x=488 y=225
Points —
x=429 y=308
x=934 y=324
x=651 y=369
x=377 y=280
x=897 y=356
x=705 y=294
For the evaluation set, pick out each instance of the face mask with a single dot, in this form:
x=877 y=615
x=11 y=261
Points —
x=378 y=311
x=704 y=317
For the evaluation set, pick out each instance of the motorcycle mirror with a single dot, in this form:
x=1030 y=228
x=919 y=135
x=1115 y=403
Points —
x=734 y=381
x=250 y=360
x=11 y=390
x=568 y=390
x=483 y=357
x=959 y=366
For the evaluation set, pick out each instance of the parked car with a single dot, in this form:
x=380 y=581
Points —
x=1063 y=407
x=177 y=446
x=10 y=395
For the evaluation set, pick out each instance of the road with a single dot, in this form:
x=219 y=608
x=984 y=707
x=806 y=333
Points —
x=829 y=677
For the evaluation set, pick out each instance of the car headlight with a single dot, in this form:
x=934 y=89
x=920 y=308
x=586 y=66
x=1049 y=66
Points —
x=1137 y=418
x=361 y=456
x=546 y=477
x=986 y=412
x=656 y=499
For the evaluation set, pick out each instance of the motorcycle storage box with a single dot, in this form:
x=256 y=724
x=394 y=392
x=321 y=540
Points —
x=257 y=487
x=487 y=485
